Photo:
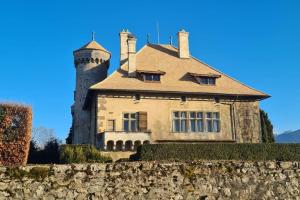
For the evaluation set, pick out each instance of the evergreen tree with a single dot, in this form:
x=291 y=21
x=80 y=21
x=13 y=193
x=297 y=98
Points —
x=70 y=135
x=267 y=135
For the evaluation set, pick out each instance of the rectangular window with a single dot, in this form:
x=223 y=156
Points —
x=152 y=77
x=207 y=80
x=111 y=125
x=130 y=122
x=176 y=122
x=212 y=122
x=183 y=122
x=180 y=122
x=196 y=122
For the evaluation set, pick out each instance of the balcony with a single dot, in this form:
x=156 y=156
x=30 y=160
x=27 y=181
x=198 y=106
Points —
x=124 y=141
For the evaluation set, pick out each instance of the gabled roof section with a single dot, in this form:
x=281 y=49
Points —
x=177 y=78
x=93 y=45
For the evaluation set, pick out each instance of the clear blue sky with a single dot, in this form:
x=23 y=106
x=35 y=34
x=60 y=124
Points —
x=256 y=42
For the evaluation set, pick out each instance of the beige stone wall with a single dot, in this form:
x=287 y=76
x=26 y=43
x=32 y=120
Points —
x=247 y=122
x=244 y=116
x=210 y=180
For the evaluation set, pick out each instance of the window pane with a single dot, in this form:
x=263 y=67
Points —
x=126 y=125
x=199 y=115
x=126 y=115
x=193 y=125
x=176 y=127
x=204 y=80
x=148 y=77
x=216 y=126
x=192 y=114
x=212 y=81
x=208 y=115
x=200 y=127
x=183 y=126
x=156 y=77
x=216 y=115
x=176 y=114
x=132 y=115
x=209 y=127
x=183 y=114
x=133 y=125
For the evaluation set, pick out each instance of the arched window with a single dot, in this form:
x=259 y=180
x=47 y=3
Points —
x=110 y=145
x=119 y=145
x=146 y=142
x=136 y=144
x=128 y=145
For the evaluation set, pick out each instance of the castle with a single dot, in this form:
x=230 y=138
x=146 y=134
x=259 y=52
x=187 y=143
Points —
x=158 y=94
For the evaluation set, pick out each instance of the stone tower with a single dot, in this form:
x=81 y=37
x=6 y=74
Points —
x=91 y=63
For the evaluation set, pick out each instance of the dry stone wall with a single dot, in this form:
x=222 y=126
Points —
x=154 y=180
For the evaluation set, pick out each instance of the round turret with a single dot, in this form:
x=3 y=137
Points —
x=91 y=62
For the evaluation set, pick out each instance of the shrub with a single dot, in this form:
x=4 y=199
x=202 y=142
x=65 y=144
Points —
x=256 y=152
x=15 y=133
x=81 y=154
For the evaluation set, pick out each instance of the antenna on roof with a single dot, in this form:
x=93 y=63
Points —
x=171 y=40
x=148 y=38
x=157 y=29
x=93 y=35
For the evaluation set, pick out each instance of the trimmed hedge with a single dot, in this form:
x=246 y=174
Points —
x=256 y=152
x=15 y=133
x=81 y=154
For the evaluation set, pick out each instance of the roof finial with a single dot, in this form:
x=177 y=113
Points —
x=93 y=35
x=171 y=40
x=148 y=38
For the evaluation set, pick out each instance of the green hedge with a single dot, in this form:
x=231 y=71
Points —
x=257 y=152
x=81 y=154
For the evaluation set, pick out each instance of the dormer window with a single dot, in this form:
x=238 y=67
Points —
x=151 y=76
x=206 y=79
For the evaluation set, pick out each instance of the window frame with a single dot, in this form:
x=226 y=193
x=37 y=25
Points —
x=212 y=120
x=196 y=118
x=114 y=125
x=210 y=80
x=129 y=119
x=152 y=75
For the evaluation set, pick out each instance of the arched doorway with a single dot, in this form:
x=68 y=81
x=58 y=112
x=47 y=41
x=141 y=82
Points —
x=128 y=145
x=110 y=145
x=119 y=145
x=136 y=144
x=146 y=142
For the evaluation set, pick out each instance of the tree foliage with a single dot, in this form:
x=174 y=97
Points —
x=49 y=154
x=267 y=135
x=70 y=135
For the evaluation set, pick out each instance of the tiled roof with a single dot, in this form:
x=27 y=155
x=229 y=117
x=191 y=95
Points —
x=177 y=77
x=93 y=45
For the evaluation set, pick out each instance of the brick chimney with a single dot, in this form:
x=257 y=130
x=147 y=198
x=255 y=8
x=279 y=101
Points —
x=183 y=44
x=131 y=55
x=124 y=46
